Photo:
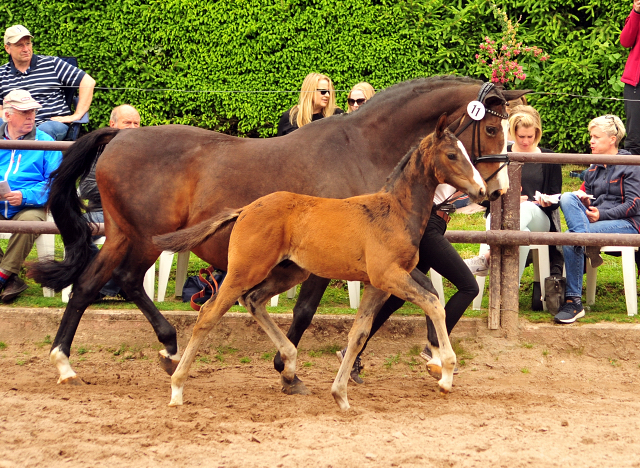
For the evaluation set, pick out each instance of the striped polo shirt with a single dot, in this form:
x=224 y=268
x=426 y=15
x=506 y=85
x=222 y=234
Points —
x=43 y=79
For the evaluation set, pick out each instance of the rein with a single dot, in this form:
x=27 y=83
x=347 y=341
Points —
x=504 y=158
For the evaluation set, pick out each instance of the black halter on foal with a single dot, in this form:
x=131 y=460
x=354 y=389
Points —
x=489 y=158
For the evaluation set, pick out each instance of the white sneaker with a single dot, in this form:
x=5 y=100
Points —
x=478 y=265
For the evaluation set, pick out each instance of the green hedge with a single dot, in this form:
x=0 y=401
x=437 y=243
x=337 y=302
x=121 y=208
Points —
x=197 y=46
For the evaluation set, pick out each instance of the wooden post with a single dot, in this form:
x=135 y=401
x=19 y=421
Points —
x=509 y=284
x=496 y=268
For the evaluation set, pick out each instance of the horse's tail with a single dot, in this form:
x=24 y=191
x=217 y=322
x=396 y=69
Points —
x=186 y=239
x=66 y=207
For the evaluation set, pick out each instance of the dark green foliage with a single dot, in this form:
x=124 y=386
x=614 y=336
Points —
x=168 y=47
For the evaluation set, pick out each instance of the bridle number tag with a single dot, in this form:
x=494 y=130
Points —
x=476 y=110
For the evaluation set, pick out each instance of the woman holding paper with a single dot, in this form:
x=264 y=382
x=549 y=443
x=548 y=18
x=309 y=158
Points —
x=540 y=182
x=609 y=203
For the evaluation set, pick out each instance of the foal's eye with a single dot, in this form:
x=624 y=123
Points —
x=452 y=156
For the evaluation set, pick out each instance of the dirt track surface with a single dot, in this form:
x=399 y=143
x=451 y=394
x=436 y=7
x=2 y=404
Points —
x=513 y=405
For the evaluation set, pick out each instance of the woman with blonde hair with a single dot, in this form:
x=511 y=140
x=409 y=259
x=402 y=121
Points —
x=317 y=100
x=358 y=95
x=536 y=214
x=608 y=202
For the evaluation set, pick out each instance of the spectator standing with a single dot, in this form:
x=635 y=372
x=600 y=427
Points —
x=45 y=78
x=358 y=95
x=123 y=116
x=610 y=203
x=26 y=175
x=630 y=38
x=317 y=100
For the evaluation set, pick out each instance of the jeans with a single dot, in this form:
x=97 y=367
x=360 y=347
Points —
x=56 y=130
x=111 y=288
x=20 y=244
x=577 y=221
x=532 y=219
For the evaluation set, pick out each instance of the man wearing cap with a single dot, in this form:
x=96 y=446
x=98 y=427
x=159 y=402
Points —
x=24 y=175
x=45 y=77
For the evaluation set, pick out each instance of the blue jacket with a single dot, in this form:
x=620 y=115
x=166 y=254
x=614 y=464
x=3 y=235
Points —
x=617 y=191
x=28 y=172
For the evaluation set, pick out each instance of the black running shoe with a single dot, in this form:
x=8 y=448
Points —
x=570 y=311
x=354 y=375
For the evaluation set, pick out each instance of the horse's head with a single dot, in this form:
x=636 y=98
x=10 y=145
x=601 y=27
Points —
x=485 y=137
x=451 y=163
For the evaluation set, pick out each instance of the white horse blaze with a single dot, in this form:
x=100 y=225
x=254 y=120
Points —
x=476 y=175
x=61 y=361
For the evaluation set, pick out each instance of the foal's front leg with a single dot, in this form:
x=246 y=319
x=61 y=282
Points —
x=400 y=283
x=372 y=301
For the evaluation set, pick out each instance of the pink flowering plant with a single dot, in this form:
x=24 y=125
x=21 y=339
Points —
x=502 y=57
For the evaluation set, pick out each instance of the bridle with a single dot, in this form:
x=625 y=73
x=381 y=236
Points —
x=475 y=136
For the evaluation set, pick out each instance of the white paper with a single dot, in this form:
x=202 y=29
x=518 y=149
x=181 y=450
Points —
x=582 y=194
x=547 y=198
x=4 y=188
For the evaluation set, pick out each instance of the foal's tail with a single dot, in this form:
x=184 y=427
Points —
x=187 y=239
x=66 y=207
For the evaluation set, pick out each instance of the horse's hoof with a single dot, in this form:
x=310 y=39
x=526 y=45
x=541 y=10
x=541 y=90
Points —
x=168 y=365
x=435 y=371
x=75 y=381
x=342 y=401
x=443 y=391
x=294 y=387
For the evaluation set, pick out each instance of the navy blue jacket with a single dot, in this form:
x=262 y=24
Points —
x=617 y=191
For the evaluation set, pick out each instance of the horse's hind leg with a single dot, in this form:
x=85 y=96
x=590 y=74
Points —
x=210 y=314
x=130 y=277
x=309 y=298
x=85 y=290
x=280 y=279
x=403 y=285
x=372 y=301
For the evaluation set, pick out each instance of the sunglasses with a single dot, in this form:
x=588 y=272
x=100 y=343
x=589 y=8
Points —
x=610 y=117
x=324 y=92
x=353 y=102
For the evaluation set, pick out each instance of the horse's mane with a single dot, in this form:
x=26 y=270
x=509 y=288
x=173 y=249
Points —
x=419 y=85
x=399 y=169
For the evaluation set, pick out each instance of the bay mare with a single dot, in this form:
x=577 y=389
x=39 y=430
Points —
x=156 y=180
x=279 y=239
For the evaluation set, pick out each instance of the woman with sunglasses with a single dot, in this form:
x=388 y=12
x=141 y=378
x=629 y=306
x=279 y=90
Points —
x=317 y=100
x=608 y=202
x=358 y=95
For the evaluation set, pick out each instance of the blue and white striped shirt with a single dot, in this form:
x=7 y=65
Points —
x=44 y=80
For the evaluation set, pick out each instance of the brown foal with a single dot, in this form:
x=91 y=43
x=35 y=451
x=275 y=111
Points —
x=279 y=239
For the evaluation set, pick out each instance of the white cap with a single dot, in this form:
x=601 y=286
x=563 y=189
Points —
x=15 y=33
x=21 y=100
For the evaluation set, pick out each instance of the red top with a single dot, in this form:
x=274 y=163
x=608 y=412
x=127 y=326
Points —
x=629 y=38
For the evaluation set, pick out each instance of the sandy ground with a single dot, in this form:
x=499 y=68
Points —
x=513 y=405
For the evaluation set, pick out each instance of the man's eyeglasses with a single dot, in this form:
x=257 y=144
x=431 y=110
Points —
x=610 y=117
x=324 y=92
x=353 y=102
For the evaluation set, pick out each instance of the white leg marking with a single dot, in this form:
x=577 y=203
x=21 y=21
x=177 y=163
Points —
x=174 y=357
x=176 y=395
x=61 y=361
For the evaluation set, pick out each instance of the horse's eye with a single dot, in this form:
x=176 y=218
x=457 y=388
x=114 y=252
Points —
x=491 y=131
x=452 y=156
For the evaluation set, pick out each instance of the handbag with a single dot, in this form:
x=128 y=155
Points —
x=199 y=289
x=554 y=290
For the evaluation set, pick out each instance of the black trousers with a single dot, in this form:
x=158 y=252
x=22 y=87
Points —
x=632 y=111
x=444 y=259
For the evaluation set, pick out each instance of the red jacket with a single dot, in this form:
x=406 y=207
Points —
x=629 y=37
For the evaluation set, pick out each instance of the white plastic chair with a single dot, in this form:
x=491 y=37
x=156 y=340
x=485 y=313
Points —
x=354 y=295
x=541 y=270
x=45 y=246
x=148 y=283
x=436 y=279
x=628 y=275
x=164 y=268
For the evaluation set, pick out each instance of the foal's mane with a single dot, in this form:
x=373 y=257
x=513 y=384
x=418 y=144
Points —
x=400 y=167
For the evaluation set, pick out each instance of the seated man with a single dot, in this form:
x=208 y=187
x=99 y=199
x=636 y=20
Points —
x=24 y=190
x=123 y=116
x=45 y=78
x=609 y=203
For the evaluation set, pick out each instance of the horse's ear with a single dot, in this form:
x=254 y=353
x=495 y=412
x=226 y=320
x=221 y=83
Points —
x=441 y=126
x=512 y=94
